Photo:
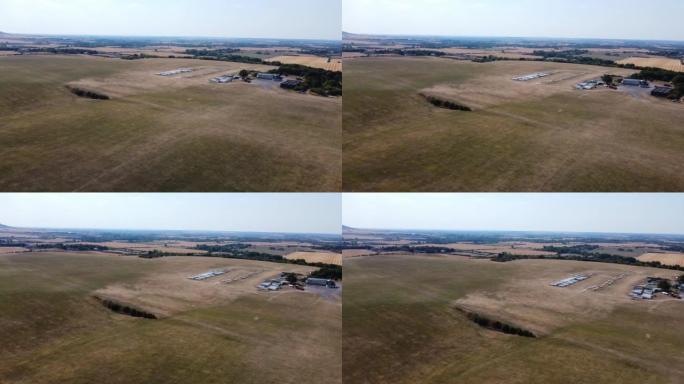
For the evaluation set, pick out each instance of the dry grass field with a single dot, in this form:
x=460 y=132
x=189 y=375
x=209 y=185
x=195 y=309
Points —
x=656 y=62
x=404 y=311
x=316 y=257
x=179 y=133
x=311 y=61
x=540 y=135
x=52 y=329
x=664 y=258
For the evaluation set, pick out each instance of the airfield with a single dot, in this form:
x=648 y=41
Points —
x=538 y=135
x=410 y=313
x=55 y=327
x=171 y=133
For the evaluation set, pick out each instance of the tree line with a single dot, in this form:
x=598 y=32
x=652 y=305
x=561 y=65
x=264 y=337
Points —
x=592 y=257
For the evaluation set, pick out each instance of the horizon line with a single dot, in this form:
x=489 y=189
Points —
x=514 y=37
x=515 y=231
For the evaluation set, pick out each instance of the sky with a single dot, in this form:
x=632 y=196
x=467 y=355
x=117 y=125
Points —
x=609 y=19
x=553 y=212
x=243 y=212
x=292 y=19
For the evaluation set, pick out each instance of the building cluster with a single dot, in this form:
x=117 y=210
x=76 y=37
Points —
x=279 y=283
x=649 y=290
x=269 y=76
x=224 y=79
x=635 y=83
x=590 y=84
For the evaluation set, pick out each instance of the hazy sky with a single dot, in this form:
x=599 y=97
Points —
x=620 y=19
x=301 y=19
x=624 y=213
x=244 y=212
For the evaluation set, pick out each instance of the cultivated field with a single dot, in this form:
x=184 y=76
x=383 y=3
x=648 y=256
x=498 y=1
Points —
x=406 y=312
x=664 y=258
x=657 y=62
x=52 y=329
x=177 y=133
x=311 y=61
x=316 y=257
x=539 y=135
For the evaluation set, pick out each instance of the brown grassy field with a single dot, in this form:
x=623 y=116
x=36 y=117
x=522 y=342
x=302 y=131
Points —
x=657 y=62
x=404 y=310
x=664 y=258
x=540 y=135
x=53 y=330
x=316 y=257
x=180 y=133
x=311 y=61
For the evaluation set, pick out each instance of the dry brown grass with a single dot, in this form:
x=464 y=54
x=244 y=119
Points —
x=530 y=301
x=170 y=290
x=664 y=258
x=8 y=250
x=515 y=249
x=347 y=253
x=316 y=257
x=656 y=62
x=311 y=61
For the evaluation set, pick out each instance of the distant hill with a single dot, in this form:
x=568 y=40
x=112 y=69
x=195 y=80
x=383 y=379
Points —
x=2 y=226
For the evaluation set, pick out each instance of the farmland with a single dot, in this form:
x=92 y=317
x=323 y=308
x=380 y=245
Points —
x=408 y=312
x=316 y=257
x=541 y=135
x=675 y=65
x=55 y=330
x=178 y=133
x=332 y=64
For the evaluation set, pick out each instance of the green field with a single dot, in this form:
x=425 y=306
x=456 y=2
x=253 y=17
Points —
x=401 y=311
x=53 y=331
x=540 y=135
x=160 y=134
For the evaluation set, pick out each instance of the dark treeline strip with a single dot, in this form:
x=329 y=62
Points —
x=496 y=325
x=87 y=94
x=446 y=104
x=62 y=51
x=592 y=257
x=581 y=248
x=70 y=247
x=125 y=309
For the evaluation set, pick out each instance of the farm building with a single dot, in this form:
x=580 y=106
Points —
x=661 y=91
x=290 y=84
x=635 y=83
x=269 y=76
x=223 y=79
x=321 y=282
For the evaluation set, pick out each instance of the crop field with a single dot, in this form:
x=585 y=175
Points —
x=176 y=133
x=406 y=311
x=311 y=61
x=664 y=258
x=656 y=62
x=317 y=257
x=53 y=329
x=540 y=135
